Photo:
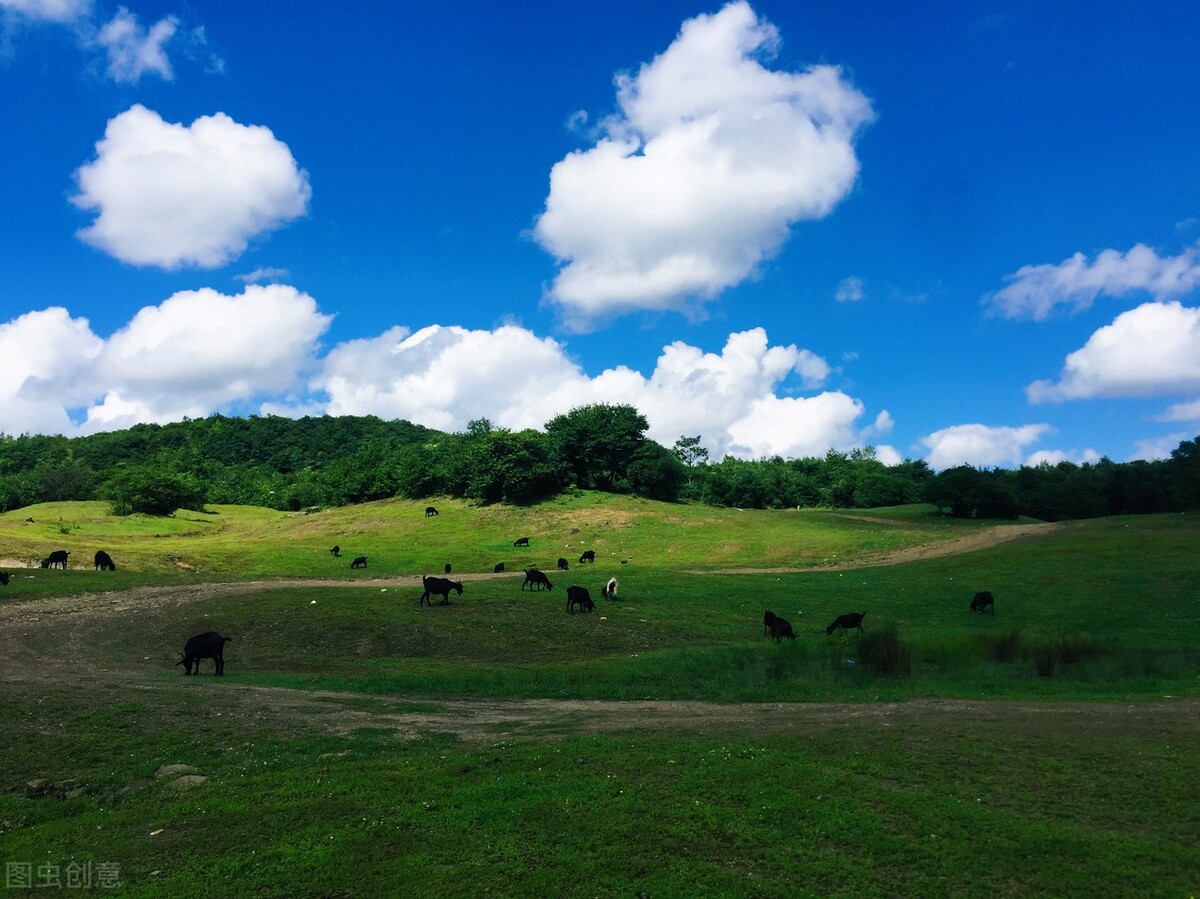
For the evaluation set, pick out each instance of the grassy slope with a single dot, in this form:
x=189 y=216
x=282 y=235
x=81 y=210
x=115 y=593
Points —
x=1065 y=807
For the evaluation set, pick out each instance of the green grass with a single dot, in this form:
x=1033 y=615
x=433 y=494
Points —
x=1072 y=784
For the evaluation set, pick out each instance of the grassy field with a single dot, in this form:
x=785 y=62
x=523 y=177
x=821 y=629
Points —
x=363 y=745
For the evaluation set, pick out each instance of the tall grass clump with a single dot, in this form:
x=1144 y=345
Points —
x=1045 y=656
x=1002 y=646
x=883 y=654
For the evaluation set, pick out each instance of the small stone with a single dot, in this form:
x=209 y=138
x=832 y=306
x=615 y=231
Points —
x=173 y=770
x=187 y=781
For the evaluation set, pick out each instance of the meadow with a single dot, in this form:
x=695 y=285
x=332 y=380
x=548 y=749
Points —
x=363 y=745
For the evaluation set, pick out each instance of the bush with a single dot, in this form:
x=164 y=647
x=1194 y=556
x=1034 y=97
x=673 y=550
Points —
x=1003 y=646
x=883 y=654
x=1076 y=648
x=1044 y=657
x=153 y=492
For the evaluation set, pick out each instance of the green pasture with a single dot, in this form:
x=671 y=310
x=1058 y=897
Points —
x=1080 y=780
x=399 y=539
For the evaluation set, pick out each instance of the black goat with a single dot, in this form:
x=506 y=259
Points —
x=589 y=555
x=521 y=541
x=104 y=561
x=447 y=568
x=579 y=596
x=533 y=577
x=768 y=620
x=983 y=600
x=439 y=586
x=499 y=568
x=781 y=628
x=360 y=562
x=209 y=645
x=430 y=511
x=845 y=622
x=562 y=564
x=337 y=551
x=4 y=578
x=55 y=559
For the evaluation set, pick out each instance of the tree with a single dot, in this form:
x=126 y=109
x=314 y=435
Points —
x=689 y=451
x=152 y=491
x=656 y=473
x=597 y=443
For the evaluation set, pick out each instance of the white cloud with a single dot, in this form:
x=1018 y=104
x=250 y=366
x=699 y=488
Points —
x=46 y=356
x=1148 y=351
x=980 y=445
x=1035 y=290
x=197 y=352
x=1160 y=447
x=133 y=51
x=172 y=196
x=201 y=351
x=62 y=11
x=1053 y=457
x=1181 y=412
x=850 y=290
x=698 y=178
x=888 y=455
x=443 y=377
x=262 y=274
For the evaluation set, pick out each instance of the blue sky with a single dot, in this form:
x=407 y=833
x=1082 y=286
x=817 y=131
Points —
x=967 y=233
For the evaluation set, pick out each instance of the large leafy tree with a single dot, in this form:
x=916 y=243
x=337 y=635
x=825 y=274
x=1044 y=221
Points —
x=597 y=443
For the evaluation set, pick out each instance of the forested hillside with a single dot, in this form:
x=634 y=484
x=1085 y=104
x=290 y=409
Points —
x=294 y=464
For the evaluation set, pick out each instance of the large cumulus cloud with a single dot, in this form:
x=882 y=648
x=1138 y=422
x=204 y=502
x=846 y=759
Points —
x=444 y=377
x=195 y=353
x=1152 y=350
x=697 y=178
x=171 y=195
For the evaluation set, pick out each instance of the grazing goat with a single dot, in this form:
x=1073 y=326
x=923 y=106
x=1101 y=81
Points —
x=209 y=645
x=439 y=586
x=845 y=622
x=337 y=551
x=104 y=561
x=430 y=511
x=768 y=620
x=3 y=578
x=521 y=541
x=562 y=564
x=499 y=568
x=589 y=555
x=983 y=600
x=609 y=590
x=447 y=568
x=781 y=628
x=538 y=578
x=360 y=562
x=55 y=559
x=579 y=596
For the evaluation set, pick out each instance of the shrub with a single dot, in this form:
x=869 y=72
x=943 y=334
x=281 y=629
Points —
x=882 y=653
x=1044 y=656
x=1002 y=646
x=1076 y=648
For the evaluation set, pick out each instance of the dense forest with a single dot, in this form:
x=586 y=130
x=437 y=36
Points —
x=294 y=464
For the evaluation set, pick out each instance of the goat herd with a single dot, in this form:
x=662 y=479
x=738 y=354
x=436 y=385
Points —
x=211 y=645
x=780 y=628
